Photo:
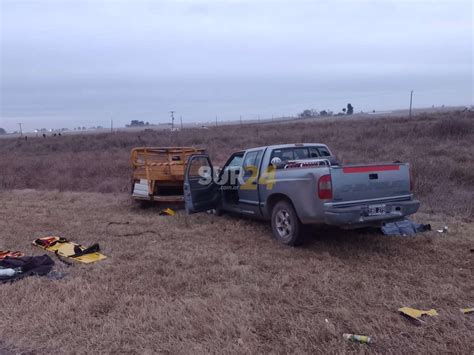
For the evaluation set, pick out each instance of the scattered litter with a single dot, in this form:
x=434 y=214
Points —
x=467 y=310
x=444 y=230
x=404 y=228
x=415 y=314
x=16 y=268
x=64 y=248
x=10 y=254
x=167 y=212
x=364 y=339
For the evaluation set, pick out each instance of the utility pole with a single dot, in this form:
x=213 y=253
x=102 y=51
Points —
x=111 y=126
x=172 y=119
x=216 y=121
x=411 y=101
x=241 y=120
x=21 y=131
x=181 y=119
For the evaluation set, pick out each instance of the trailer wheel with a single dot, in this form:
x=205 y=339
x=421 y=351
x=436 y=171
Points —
x=286 y=226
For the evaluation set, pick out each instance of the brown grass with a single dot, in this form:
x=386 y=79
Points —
x=439 y=147
x=200 y=283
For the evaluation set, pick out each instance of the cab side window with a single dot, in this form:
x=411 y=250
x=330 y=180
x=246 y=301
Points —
x=300 y=153
x=252 y=162
x=200 y=167
x=324 y=152
x=313 y=152
x=235 y=161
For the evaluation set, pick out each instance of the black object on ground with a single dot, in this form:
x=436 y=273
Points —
x=27 y=266
x=404 y=228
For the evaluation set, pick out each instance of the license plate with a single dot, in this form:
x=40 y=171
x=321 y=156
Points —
x=376 y=210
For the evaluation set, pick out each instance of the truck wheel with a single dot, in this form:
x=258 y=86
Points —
x=286 y=226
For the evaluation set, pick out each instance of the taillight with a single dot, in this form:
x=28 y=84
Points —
x=325 y=187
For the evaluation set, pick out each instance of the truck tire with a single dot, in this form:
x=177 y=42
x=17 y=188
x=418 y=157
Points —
x=286 y=226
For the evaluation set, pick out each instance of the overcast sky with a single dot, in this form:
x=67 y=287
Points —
x=69 y=63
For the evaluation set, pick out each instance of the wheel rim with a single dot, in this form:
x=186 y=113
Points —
x=283 y=224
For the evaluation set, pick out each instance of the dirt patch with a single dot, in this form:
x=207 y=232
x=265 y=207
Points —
x=203 y=283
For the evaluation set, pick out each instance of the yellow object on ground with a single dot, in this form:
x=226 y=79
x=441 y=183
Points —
x=416 y=313
x=467 y=310
x=167 y=212
x=66 y=249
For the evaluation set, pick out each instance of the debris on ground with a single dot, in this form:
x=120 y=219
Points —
x=404 y=228
x=10 y=254
x=444 y=230
x=167 y=212
x=19 y=267
x=415 y=314
x=364 y=339
x=64 y=248
x=467 y=310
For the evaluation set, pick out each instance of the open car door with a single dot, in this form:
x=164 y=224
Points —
x=201 y=193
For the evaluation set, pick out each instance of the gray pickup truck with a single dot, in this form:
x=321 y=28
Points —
x=299 y=184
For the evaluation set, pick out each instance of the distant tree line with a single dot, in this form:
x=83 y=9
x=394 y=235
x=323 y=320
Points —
x=311 y=113
x=137 y=123
x=2 y=131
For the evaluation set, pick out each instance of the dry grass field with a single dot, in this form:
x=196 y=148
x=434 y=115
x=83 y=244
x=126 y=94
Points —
x=201 y=283
x=439 y=147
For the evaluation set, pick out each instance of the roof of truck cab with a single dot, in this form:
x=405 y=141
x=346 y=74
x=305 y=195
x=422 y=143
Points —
x=292 y=145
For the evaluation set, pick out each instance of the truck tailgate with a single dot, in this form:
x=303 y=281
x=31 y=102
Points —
x=353 y=183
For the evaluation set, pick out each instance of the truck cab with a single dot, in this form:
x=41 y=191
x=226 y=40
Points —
x=240 y=184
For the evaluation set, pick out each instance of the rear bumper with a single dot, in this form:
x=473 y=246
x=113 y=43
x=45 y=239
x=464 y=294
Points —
x=357 y=216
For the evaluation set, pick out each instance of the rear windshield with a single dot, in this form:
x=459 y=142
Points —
x=299 y=153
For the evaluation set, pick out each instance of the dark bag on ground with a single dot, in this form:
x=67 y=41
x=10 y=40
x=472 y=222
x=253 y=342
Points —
x=404 y=228
x=27 y=265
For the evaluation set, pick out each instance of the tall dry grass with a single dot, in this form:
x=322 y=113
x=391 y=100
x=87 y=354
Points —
x=438 y=146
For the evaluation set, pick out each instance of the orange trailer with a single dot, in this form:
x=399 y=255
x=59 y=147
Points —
x=158 y=173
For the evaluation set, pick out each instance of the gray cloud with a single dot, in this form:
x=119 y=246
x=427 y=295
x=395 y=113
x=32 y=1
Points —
x=81 y=60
